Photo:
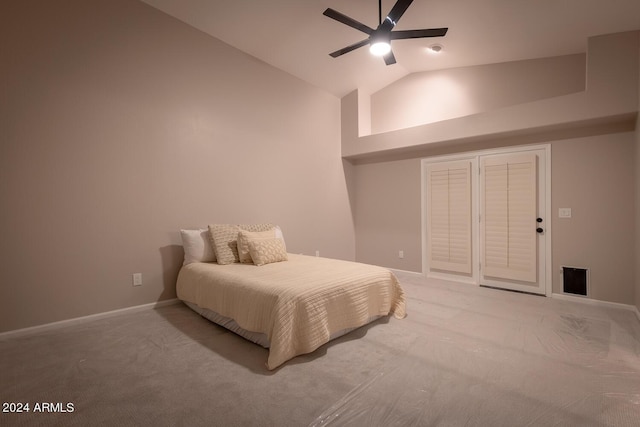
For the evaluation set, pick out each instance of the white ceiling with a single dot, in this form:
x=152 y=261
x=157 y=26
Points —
x=294 y=36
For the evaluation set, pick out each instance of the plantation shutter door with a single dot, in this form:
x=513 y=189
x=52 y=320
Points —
x=449 y=216
x=509 y=195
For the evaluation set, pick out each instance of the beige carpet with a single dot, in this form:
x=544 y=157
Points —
x=465 y=356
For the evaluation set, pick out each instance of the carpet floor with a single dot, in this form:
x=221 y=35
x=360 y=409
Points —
x=464 y=356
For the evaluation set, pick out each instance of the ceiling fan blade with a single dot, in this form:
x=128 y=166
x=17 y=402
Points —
x=389 y=59
x=334 y=14
x=416 y=34
x=349 y=48
x=395 y=14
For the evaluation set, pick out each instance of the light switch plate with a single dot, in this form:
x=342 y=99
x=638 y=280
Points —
x=564 y=213
x=137 y=279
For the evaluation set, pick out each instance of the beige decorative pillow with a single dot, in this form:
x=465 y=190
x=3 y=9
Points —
x=224 y=239
x=267 y=251
x=244 y=237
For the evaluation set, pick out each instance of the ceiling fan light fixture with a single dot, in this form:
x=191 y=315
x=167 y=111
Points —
x=380 y=48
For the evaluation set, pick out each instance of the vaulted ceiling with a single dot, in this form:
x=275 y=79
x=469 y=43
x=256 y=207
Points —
x=294 y=36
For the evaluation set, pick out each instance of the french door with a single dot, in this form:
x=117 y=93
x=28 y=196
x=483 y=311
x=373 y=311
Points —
x=449 y=216
x=512 y=221
x=486 y=219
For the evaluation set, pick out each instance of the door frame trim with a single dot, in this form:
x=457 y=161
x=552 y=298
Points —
x=474 y=156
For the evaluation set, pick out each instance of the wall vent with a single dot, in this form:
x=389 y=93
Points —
x=574 y=280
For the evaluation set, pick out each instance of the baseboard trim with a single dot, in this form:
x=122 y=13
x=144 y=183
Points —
x=410 y=273
x=596 y=302
x=84 y=319
x=452 y=278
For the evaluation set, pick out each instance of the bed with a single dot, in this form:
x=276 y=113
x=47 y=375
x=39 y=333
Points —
x=291 y=307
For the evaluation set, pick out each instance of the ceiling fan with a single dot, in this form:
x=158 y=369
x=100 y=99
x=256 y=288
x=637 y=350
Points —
x=380 y=38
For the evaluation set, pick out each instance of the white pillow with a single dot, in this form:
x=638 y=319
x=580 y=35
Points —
x=279 y=234
x=197 y=246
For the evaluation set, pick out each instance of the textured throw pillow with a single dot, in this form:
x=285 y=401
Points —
x=197 y=246
x=224 y=238
x=267 y=251
x=244 y=237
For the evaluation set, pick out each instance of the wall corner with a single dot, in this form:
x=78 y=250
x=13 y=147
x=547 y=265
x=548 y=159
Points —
x=355 y=116
x=612 y=69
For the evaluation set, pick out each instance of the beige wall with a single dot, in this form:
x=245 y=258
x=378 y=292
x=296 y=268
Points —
x=432 y=96
x=637 y=212
x=387 y=210
x=121 y=125
x=637 y=207
x=592 y=175
x=637 y=181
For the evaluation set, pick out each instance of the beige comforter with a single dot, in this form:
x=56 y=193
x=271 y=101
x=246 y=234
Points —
x=298 y=303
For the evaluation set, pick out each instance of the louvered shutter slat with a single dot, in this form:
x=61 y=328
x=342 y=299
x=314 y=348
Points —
x=449 y=216
x=509 y=217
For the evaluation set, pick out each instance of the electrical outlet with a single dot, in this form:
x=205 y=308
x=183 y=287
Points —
x=137 y=279
x=317 y=253
x=400 y=254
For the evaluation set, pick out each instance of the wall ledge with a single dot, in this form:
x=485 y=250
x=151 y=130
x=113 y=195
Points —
x=610 y=100
x=625 y=122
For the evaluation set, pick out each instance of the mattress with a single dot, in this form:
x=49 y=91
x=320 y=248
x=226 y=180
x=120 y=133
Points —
x=255 y=337
x=298 y=305
x=230 y=324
